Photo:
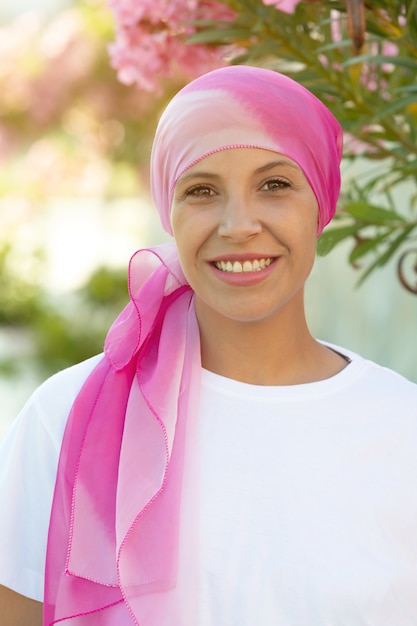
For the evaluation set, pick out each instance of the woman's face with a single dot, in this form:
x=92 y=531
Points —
x=245 y=224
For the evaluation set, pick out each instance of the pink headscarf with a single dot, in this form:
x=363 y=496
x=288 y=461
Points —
x=242 y=106
x=122 y=545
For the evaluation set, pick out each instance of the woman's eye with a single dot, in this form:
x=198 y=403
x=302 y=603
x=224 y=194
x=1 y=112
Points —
x=275 y=184
x=200 y=191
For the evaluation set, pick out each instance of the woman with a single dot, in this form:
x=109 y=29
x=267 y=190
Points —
x=218 y=465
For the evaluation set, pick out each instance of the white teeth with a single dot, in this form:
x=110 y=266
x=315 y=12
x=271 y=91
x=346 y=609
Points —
x=247 y=266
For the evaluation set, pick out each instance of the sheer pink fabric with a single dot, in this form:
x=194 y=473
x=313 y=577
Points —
x=123 y=544
x=115 y=533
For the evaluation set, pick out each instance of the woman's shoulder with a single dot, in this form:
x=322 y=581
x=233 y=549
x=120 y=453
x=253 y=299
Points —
x=375 y=376
x=67 y=382
x=48 y=407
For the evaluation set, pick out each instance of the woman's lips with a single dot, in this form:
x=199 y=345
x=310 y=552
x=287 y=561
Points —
x=243 y=272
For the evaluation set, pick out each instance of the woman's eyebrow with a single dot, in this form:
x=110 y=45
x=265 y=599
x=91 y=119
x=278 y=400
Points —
x=197 y=174
x=281 y=163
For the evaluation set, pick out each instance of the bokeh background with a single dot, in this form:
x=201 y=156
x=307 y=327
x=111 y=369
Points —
x=75 y=205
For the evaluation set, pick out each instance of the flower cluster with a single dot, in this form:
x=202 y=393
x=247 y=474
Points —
x=150 y=40
x=68 y=129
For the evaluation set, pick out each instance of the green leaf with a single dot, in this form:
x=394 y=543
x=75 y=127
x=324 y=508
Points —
x=386 y=256
x=402 y=103
x=406 y=88
x=336 y=45
x=371 y=214
x=218 y=36
x=331 y=237
x=382 y=59
x=366 y=246
x=407 y=168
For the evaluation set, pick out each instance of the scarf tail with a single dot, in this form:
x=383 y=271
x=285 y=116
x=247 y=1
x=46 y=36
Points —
x=123 y=514
x=60 y=586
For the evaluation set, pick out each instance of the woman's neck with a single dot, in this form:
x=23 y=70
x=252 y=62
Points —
x=273 y=351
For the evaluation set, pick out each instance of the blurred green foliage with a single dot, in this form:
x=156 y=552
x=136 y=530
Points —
x=368 y=79
x=60 y=330
x=68 y=129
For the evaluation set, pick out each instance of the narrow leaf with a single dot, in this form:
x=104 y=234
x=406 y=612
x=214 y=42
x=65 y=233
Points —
x=402 y=103
x=219 y=35
x=411 y=88
x=386 y=256
x=330 y=238
x=364 y=247
x=373 y=214
x=346 y=43
x=382 y=59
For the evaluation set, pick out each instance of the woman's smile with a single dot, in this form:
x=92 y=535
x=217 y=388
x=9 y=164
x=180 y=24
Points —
x=244 y=266
x=244 y=273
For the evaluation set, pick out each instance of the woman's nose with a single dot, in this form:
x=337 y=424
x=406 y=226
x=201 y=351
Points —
x=239 y=220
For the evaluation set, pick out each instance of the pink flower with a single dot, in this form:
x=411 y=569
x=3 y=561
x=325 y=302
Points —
x=335 y=26
x=355 y=146
x=287 y=6
x=151 y=36
x=371 y=76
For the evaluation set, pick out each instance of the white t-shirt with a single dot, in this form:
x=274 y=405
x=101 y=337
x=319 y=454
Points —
x=308 y=497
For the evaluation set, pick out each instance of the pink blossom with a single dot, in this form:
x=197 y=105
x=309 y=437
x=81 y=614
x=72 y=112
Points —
x=388 y=49
x=359 y=146
x=287 y=6
x=150 y=43
x=371 y=77
x=335 y=26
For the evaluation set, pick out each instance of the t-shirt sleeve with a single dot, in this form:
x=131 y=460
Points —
x=28 y=464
